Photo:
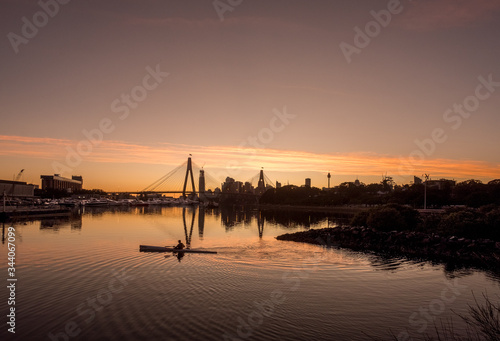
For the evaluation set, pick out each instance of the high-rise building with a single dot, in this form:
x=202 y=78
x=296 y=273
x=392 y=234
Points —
x=201 y=184
x=249 y=188
x=228 y=185
x=238 y=187
x=308 y=182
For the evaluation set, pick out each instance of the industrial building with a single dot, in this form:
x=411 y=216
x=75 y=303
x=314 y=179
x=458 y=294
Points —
x=441 y=183
x=58 y=182
x=16 y=189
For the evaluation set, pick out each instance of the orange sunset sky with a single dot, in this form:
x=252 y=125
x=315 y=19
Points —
x=121 y=92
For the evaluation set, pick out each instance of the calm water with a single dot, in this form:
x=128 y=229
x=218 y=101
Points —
x=85 y=279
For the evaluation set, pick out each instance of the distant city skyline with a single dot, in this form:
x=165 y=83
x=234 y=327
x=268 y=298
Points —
x=121 y=92
x=220 y=175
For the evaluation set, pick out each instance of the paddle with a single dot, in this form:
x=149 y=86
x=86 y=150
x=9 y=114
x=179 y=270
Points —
x=177 y=250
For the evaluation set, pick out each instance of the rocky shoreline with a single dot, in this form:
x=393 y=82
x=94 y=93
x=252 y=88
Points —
x=482 y=253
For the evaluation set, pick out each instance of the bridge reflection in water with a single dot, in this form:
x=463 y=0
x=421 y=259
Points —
x=231 y=218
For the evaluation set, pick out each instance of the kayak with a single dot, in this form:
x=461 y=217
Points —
x=148 y=248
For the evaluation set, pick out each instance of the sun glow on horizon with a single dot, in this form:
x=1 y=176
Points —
x=229 y=160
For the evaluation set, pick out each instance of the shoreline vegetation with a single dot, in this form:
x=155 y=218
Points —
x=484 y=254
x=437 y=194
x=455 y=237
x=458 y=236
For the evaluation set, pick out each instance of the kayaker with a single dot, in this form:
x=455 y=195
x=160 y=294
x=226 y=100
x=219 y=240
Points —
x=180 y=246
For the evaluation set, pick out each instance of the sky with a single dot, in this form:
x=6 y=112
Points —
x=121 y=92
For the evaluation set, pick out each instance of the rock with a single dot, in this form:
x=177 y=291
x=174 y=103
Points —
x=480 y=252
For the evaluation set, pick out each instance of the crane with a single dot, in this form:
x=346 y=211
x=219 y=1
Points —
x=18 y=176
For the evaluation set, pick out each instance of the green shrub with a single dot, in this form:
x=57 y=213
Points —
x=410 y=216
x=465 y=223
x=386 y=219
x=360 y=219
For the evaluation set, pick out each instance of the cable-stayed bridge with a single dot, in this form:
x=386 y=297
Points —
x=191 y=180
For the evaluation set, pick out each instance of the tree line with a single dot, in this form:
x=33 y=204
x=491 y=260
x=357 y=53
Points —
x=471 y=193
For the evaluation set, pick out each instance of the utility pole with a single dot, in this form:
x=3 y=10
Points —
x=426 y=176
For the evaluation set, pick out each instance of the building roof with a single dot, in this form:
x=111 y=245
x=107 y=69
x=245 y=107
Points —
x=60 y=178
x=11 y=182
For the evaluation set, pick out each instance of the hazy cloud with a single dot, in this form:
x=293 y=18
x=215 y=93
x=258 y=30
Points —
x=428 y=15
x=219 y=157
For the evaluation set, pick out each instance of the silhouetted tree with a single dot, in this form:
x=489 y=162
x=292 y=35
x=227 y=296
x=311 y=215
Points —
x=472 y=193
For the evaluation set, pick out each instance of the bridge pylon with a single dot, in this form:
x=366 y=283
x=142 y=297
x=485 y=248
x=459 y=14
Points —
x=189 y=171
x=261 y=185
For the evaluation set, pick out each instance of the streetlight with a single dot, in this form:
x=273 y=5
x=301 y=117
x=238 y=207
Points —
x=426 y=176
